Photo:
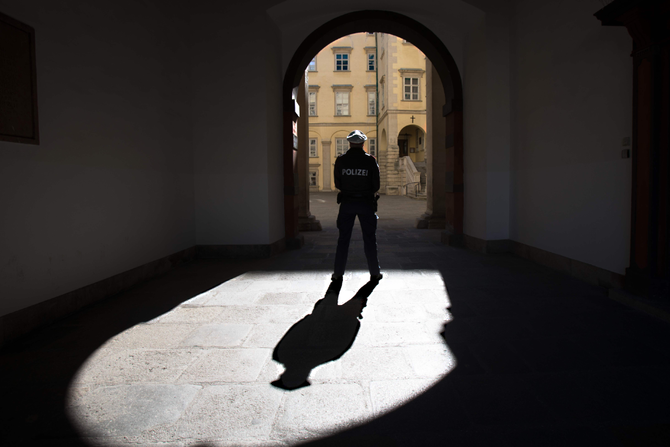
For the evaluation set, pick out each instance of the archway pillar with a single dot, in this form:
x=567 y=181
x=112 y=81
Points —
x=453 y=234
x=647 y=24
x=436 y=156
x=306 y=221
x=291 y=174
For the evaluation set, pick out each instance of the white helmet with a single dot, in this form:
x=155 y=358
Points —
x=356 y=137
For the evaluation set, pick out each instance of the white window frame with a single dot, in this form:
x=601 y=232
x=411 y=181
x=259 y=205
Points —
x=372 y=147
x=313 y=148
x=342 y=104
x=314 y=175
x=413 y=96
x=372 y=103
x=311 y=98
x=312 y=65
x=343 y=60
x=341 y=146
x=371 y=60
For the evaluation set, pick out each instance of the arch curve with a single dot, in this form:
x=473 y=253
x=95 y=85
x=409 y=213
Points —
x=384 y=22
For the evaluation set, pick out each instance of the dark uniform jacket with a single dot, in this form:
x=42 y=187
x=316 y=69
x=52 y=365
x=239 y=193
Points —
x=356 y=176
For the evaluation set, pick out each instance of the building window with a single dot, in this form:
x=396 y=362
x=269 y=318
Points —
x=411 y=89
x=373 y=146
x=312 y=178
x=341 y=62
x=313 y=148
x=341 y=103
x=372 y=103
x=312 y=103
x=312 y=65
x=341 y=146
x=371 y=62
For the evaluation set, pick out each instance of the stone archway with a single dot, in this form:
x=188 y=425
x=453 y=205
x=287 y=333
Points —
x=445 y=73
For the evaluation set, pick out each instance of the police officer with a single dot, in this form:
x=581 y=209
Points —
x=357 y=178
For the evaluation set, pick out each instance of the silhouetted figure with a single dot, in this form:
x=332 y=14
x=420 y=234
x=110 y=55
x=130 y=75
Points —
x=357 y=177
x=324 y=335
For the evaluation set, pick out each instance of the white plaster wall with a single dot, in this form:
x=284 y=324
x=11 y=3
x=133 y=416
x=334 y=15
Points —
x=274 y=112
x=497 y=121
x=572 y=102
x=486 y=125
x=475 y=136
x=237 y=125
x=109 y=187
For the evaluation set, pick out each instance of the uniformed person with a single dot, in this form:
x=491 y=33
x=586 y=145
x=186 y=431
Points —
x=357 y=178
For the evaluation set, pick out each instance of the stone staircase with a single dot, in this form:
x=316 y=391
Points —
x=415 y=179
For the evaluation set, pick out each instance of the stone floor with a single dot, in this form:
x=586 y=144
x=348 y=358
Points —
x=452 y=348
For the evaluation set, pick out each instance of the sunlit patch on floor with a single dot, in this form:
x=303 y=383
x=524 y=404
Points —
x=203 y=371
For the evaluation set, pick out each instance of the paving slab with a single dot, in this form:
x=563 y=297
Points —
x=321 y=409
x=365 y=364
x=136 y=365
x=231 y=413
x=226 y=365
x=387 y=395
x=131 y=409
x=224 y=335
x=190 y=315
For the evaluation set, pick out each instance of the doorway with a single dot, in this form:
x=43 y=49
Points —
x=447 y=196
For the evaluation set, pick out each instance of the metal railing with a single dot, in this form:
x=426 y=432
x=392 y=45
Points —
x=411 y=173
x=416 y=188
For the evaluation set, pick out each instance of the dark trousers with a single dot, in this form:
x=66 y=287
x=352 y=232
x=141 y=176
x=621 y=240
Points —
x=345 y=223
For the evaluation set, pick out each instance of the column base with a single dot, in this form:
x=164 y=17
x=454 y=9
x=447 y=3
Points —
x=294 y=243
x=309 y=223
x=430 y=222
x=453 y=240
x=392 y=190
x=642 y=284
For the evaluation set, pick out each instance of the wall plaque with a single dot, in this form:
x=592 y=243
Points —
x=18 y=82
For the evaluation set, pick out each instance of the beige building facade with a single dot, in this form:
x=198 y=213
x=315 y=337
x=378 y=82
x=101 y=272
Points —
x=376 y=83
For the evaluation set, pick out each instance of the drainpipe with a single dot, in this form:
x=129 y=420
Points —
x=377 y=99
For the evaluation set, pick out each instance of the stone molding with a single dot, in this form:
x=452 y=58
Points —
x=250 y=251
x=24 y=321
x=578 y=269
x=370 y=123
x=342 y=49
x=418 y=71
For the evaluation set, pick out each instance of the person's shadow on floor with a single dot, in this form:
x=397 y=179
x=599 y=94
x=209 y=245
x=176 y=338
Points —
x=324 y=335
